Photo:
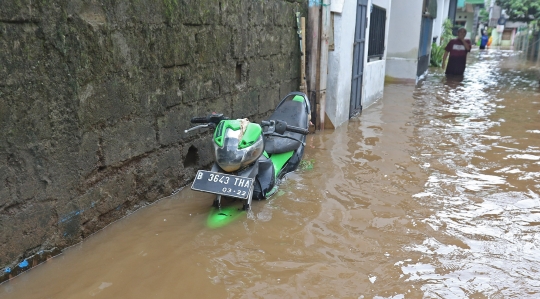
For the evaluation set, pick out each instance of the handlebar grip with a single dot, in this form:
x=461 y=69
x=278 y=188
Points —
x=199 y=120
x=297 y=130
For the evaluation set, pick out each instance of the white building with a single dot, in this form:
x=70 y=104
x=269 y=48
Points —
x=443 y=9
x=374 y=40
x=354 y=80
x=413 y=24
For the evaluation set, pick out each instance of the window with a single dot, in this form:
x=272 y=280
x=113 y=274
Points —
x=377 y=30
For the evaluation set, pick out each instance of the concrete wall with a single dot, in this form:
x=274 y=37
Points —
x=404 y=39
x=338 y=92
x=496 y=38
x=373 y=87
x=95 y=96
x=468 y=17
x=374 y=71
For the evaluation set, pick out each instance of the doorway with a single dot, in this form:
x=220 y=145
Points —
x=358 y=57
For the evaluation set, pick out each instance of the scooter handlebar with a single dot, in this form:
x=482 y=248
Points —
x=280 y=127
x=214 y=118
x=297 y=130
x=199 y=120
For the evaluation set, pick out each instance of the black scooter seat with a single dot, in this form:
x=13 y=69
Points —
x=295 y=114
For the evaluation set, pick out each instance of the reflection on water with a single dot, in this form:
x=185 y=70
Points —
x=432 y=192
x=482 y=157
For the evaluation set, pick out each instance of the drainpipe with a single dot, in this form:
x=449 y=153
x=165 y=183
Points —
x=313 y=48
x=325 y=28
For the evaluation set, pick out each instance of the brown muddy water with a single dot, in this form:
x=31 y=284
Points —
x=432 y=192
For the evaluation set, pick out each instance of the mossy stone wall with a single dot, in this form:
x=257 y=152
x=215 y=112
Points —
x=95 y=96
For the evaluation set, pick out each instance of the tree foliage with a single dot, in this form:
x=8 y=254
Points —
x=521 y=10
x=437 y=51
x=484 y=15
x=446 y=34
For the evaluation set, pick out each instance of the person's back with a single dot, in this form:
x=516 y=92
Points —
x=483 y=41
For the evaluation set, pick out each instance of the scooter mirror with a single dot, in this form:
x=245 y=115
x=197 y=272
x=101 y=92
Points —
x=281 y=127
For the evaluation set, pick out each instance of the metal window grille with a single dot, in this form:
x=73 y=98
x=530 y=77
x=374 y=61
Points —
x=377 y=30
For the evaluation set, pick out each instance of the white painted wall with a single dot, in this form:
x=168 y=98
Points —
x=338 y=89
x=374 y=72
x=442 y=14
x=373 y=84
x=340 y=61
x=404 y=39
x=468 y=18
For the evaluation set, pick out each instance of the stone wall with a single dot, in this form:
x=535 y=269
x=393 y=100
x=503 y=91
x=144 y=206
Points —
x=95 y=96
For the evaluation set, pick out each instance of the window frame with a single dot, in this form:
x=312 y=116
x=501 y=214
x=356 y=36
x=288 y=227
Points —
x=377 y=33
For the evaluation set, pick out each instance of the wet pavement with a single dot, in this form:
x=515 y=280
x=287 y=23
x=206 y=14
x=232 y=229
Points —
x=432 y=192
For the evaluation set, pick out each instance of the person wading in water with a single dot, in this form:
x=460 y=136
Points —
x=457 y=49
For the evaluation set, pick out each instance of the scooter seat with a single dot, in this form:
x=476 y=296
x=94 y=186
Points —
x=294 y=113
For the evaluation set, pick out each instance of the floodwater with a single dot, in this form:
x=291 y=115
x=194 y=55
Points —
x=432 y=192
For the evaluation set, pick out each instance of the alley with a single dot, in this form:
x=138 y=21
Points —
x=431 y=192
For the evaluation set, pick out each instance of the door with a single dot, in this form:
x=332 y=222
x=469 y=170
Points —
x=425 y=46
x=358 y=57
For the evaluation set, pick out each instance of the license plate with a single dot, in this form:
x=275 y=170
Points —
x=224 y=184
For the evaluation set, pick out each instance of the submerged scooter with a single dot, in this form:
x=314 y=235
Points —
x=251 y=158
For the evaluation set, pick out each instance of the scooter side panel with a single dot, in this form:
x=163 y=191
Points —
x=266 y=178
x=280 y=160
x=292 y=163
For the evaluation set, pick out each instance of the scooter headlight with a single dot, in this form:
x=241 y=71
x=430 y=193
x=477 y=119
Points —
x=237 y=143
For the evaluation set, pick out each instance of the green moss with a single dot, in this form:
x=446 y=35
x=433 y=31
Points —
x=307 y=164
x=170 y=7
